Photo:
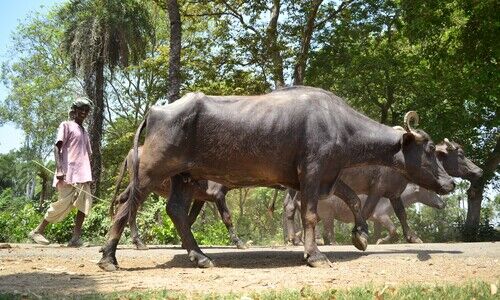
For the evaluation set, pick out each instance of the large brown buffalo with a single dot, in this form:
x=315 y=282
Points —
x=298 y=137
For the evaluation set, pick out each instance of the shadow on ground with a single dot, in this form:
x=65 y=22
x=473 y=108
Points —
x=249 y=259
x=46 y=283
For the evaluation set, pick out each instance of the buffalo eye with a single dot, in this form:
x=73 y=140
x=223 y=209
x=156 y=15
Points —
x=432 y=147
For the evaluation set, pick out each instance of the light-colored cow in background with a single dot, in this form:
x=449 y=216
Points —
x=334 y=208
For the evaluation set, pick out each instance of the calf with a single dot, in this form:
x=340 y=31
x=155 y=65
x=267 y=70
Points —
x=203 y=190
x=298 y=137
x=334 y=208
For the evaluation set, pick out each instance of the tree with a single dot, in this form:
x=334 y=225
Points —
x=40 y=88
x=460 y=42
x=366 y=59
x=273 y=48
x=100 y=34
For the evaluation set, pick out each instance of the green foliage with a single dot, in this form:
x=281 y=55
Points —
x=39 y=83
x=17 y=219
x=385 y=57
x=470 y=290
x=251 y=217
x=154 y=225
x=14 y=173
x=209 y=228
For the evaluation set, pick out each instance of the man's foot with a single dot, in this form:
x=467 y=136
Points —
x=38 y=238
x=76 y=243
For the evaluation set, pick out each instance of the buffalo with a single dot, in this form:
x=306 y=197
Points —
x=298 y=137
x=334 y=208
x=203 y=190
x=377 y=182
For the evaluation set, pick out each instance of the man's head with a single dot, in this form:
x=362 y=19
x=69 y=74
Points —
x=80 y=109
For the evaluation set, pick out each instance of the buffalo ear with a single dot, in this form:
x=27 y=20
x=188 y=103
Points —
x=440 y=152
x=407 y=139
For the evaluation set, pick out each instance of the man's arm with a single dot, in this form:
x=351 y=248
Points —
x=58 y=157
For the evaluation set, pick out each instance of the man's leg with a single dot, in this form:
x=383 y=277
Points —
x=83 y=203
x=57 y=211
x=37 y=234
x=77 y=231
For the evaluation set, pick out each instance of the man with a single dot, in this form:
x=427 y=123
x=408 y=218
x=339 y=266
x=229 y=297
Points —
x=73 y=174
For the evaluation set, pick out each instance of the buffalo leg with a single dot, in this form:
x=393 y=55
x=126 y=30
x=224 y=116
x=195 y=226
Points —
x=318 y=237
x=377 y=231
x=176 y=209
x=370 y=204
x=134 y=233
x=360 y=230
x=328 y=231
x=400 y=211
x=220 y=202
x=309 y=196
x=195 y=211
x=386 y=222
x=125 y=212
x=290 y=208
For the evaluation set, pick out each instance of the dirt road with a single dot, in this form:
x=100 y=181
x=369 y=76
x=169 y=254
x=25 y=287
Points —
x=28 y=268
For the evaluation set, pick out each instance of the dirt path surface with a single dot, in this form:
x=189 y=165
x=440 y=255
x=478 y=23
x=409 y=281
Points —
x=28 y=268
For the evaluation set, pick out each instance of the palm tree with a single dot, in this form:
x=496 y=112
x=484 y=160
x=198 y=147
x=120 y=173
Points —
x=102 y=34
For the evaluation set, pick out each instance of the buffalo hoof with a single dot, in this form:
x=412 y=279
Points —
x=108 y=264
x=139 y=245
x=388 y=239
x=414 y=239
x=241 y=245
x=293 y=243
x=360 y=240
x=320 y=242
x=319 y=260
x=202 y=261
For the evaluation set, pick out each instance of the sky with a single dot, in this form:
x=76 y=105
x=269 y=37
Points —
x=13 y=13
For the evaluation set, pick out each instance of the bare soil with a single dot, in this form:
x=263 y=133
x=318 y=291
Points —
x=28 y=268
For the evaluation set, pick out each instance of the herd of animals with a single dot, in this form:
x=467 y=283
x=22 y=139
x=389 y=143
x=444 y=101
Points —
x=334 y=162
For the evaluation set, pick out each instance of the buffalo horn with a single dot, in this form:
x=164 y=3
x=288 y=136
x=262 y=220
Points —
x=449 y=145
x=412 y=117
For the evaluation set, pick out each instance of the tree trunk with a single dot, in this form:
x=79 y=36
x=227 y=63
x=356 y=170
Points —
x=474 y=199
x=384 y=107
x=30 y=187
x=96 y=126
x=45 y=177
x=174 y=67
x=273 y=47
x=475 y=194
x=300 y=65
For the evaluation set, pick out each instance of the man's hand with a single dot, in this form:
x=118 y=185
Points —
x=60 y=175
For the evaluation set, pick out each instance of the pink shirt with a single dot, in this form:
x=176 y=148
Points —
x=75 y=153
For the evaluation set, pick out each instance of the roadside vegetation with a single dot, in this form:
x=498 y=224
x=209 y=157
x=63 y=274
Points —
x=478 y=290
x=250 y=215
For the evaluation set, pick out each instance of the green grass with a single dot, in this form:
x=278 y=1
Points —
x=471 y=290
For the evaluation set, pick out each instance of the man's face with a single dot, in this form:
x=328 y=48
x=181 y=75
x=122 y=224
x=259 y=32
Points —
x=81 y=113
